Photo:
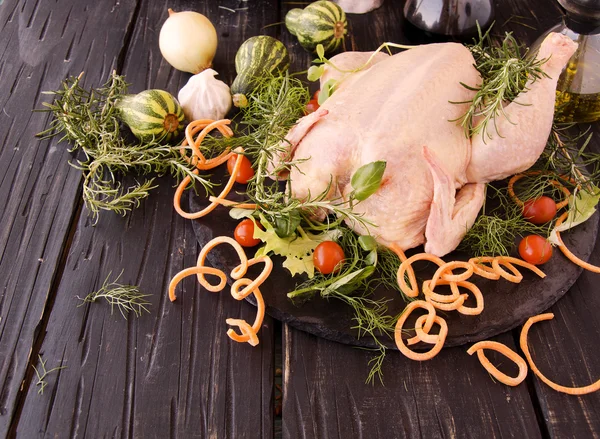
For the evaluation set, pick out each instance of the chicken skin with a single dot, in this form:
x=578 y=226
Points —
x=403 y=109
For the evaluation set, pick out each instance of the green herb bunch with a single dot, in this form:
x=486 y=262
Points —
x=88 y=119
x=505 y=70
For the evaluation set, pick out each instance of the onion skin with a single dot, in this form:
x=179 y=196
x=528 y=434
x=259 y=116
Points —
x=188 y=41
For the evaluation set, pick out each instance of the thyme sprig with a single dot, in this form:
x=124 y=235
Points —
x=125 y=297
x=505 y=69
x=87 y=118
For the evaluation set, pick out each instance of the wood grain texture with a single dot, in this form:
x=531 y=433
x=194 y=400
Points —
x=450 y=396
x=565 y=350
x=40 y=44
x=173 y=372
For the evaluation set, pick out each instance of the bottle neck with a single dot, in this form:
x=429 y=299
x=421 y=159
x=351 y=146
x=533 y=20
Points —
x=582 y=25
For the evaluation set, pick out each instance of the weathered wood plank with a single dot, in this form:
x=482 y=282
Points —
x=40 y=44
x=565 y=351
x=325 y=395
x=173 y=372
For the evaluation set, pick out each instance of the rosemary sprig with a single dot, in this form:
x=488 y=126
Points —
x=88 y=120
x=42 y=373
x=505 y=69
x=126 y=297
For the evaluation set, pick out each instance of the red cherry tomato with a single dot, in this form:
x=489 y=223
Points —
x=316 y=96
x=535 y=249
x=328 y=257
x=244 y=234
x=312 y=106
x=245 y=173
x=539 y=211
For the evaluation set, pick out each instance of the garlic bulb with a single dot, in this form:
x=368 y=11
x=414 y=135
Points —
x=205 y=97
x=188 y=41
x=358 y=6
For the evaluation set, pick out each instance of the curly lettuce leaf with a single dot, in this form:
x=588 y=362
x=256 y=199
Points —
x=297 y=250
x=582 y=206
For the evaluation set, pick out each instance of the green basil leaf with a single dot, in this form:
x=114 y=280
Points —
x=367 y=242
x=367 y=179
x=371 y=258
x=286 y=225
x=315 y=72
x=349 y=282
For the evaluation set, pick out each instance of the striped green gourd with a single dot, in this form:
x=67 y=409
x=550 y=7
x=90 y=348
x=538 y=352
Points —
x=321 y=22
x=152 y=114
x=257 y=57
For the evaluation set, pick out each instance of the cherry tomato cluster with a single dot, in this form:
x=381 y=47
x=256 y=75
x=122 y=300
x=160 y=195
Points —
x=534 y=248
x=313 y=104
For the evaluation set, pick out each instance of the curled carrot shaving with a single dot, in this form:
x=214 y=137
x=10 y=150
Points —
x=563 y=248
x=507 y=352
x=559 y=185
x=205 y=126
x=449 y=266
x=406 y=268
x=594 y=387
x=480 y=269
x=241 y=288
x=504 y=260
x=229 y=203
x=441 y=298
x=429 y=319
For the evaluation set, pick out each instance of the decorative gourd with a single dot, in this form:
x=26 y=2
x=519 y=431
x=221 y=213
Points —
x=257 y=57
x=152 y=114
x=321 y=22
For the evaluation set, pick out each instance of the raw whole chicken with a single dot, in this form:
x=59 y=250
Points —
x=399 y=110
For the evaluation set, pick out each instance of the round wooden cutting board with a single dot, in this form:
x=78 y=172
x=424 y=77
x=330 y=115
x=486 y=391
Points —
x=507 y=305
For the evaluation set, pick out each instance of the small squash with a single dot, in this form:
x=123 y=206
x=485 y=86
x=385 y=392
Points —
x=257 y=57
x=152 y=114
x=321 y=22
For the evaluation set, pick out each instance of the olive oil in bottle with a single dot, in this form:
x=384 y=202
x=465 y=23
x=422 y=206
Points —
x=578 y=88
x=575 y=107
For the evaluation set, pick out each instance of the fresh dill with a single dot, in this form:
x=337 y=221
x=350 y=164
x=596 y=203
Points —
x=367 y=266
x=494 y=232
x=42 y=373
x=505 y=69
x=126 y=297
x=87 y=118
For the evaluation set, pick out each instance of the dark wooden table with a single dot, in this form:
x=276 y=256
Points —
x=174 y=372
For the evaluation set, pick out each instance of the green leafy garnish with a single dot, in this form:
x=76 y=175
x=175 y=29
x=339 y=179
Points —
x=494 y=232
x=582 y=205
x=87 y=118
x=297 y=250
x=367 y=179
x=505 y=69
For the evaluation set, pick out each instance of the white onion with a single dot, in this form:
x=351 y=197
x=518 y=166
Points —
x=188 y=41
